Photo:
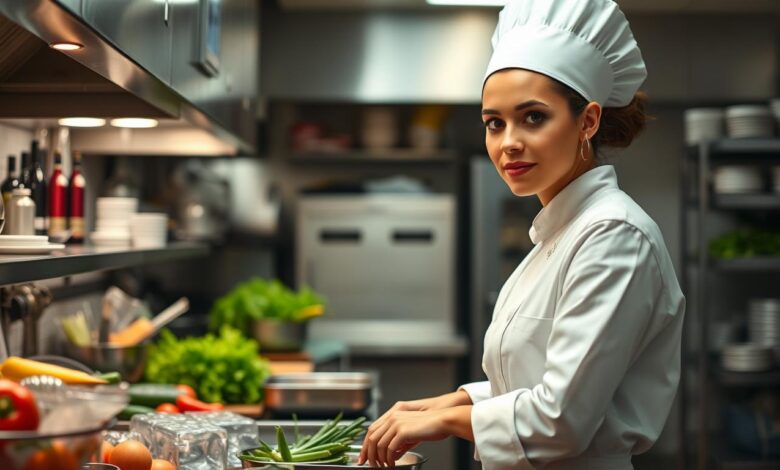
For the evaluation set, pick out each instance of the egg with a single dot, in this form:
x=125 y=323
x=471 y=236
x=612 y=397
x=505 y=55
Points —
x=160 y=464
x=131 y=455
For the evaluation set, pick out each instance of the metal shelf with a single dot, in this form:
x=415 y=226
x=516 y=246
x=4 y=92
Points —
x=747 y=264
x=747 y=379
x=83 y=259
x=746 y=201
x=389 y=156
x=739 y=147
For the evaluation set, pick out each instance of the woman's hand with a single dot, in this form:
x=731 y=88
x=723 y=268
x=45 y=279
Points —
x=397 y=432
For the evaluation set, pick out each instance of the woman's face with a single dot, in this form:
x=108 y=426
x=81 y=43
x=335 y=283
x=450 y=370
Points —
x=531 y=135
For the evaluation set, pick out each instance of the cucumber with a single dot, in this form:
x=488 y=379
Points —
x=111 y=377
x=152 y=395
x=131 y=410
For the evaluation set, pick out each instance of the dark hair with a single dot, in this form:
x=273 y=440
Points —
x=619 y=126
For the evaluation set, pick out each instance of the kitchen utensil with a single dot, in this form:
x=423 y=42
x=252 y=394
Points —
x=738 y=179
x=409 y=461
x=143 y=329
x=278 y=335
x=98 y=466
x=319 y=394
x=104 y=328
x=21 y=213
x=129 y=361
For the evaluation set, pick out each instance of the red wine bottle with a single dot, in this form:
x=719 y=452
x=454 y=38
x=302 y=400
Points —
x=76 y=201
x=58 y=199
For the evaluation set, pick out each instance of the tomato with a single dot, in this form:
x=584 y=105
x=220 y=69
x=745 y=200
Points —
x=186 y=403
x=56 y=457
x=187 y=390
x=169 y=408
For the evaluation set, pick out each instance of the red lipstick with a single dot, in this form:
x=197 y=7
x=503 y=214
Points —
x=518 y=168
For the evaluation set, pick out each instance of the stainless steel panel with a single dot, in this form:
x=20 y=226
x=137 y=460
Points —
x=230 y=97
x=137 y=27
x=379 y=257
x=321 y=393
x=72 y=5
x=425 y=56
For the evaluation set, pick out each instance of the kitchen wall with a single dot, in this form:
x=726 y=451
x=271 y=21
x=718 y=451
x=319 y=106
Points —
x=13 y=141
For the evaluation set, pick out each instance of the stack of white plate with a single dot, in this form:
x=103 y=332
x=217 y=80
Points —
x=747 y=357
x=149 y=230
x=750 y=121
x=112 y=227
x=764 y=322
x=738 y=179
x=703 y=124
x=774 y=105
x=27 y=244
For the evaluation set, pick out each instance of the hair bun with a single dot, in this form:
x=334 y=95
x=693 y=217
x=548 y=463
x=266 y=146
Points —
x=620 y=126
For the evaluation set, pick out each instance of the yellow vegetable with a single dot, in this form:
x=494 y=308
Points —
x=309 y=312
x=17 y=368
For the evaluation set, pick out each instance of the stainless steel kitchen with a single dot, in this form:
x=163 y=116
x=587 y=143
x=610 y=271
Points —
x=420 y=234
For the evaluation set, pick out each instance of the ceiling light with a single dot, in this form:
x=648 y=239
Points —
x=66 y=46
x=134 y=123
x=469 y=3
x=82 y=122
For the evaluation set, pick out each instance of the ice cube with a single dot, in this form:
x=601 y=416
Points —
x=190 y=444
x=143 y=424
x=241 y=431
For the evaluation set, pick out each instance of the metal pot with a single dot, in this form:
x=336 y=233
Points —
x=279 y=335
x=129 y=361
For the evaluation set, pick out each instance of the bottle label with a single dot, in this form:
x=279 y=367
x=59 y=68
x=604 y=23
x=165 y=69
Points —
x=57 y=225
x=77 y=227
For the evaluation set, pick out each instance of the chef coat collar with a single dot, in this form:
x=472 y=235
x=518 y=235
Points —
x=571 y=200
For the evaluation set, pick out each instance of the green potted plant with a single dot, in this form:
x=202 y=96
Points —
x=268 y=311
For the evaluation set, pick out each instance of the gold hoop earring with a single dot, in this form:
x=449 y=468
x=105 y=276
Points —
x=582 y=147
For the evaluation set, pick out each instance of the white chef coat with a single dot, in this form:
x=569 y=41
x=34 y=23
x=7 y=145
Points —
x=583 y=352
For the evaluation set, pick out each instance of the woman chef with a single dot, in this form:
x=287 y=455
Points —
x=583 y=352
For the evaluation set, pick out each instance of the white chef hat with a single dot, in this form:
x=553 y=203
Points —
x=585 y=44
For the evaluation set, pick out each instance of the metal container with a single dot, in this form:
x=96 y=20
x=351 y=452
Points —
x=129 y=361
x=409 y=461
x=279 y=335
x=21 y=213
x=321 y=394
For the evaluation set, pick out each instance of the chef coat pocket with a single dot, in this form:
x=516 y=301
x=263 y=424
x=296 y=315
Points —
x=526 y=331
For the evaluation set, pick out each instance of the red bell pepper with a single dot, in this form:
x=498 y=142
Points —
x=187 y=403
x=18 y=411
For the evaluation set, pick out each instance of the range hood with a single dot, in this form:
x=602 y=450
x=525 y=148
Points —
x=129 y=66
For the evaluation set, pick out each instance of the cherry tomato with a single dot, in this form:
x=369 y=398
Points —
x=168 y=408
x=187 y=390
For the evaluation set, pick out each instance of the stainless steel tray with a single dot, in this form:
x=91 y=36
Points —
x=323 y=393
x=409 y=461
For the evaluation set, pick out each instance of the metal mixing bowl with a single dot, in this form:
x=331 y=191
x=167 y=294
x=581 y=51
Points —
x=129 y=361
x=278 y=335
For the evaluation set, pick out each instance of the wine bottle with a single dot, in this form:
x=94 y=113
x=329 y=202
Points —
x=37 y=183
x=58 y=199
x=76 y=201
x=11 y=181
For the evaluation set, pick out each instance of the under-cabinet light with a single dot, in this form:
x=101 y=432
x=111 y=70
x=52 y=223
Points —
x=134 y=123
x=82 y=122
